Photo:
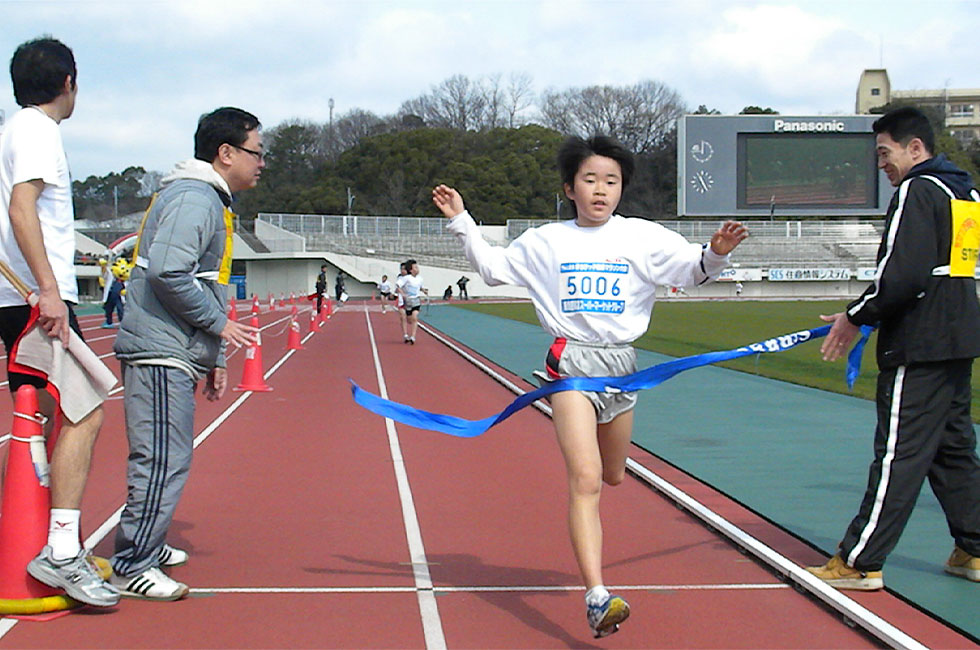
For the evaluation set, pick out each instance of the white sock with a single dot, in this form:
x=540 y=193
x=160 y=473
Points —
x=63 y=533
x=597 y=595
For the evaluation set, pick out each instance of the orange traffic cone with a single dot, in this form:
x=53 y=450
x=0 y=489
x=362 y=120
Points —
x=322 y=314
x=255 y=304
x=329 y=307
x=294 y=312
x=314 y=321
x=293 y=342
x=26 y=506
x=252 y=374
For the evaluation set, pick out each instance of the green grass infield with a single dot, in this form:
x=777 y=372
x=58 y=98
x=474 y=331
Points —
x=684 y=328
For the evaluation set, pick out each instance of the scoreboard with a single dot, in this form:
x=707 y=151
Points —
x=758 y=165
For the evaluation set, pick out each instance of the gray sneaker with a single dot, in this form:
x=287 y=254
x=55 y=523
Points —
x=76 y=576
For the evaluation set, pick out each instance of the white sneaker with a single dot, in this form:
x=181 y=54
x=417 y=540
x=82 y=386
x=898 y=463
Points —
x=171 y=556
x=152 y=584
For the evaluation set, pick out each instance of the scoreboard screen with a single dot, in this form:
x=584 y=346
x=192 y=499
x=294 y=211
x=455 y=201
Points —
x=803 y=170
x=762 y=165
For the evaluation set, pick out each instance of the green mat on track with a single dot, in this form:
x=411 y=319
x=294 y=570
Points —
x=798 y=456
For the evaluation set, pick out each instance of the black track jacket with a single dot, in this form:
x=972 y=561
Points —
x=923 y=315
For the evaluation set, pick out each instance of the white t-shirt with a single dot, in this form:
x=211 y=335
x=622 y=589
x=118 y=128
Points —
x=411 y=285
x=384 y=287
x=591 y=284
x=31 y=149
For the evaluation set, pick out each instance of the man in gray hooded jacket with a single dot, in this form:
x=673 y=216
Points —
x=174 y=334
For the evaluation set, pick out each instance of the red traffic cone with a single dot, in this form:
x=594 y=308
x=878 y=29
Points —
x=322 y=314
x=293 y=342
x=294 y=312
x=314 y=321
x=272 y=302
x=26 y=506
x=232 y=310
x=252 y=374
x=255 y=304
x=292 y=298
x=329 y=307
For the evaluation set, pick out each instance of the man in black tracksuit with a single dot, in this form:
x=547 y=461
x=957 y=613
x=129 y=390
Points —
x=923 y=300
x=321 y=287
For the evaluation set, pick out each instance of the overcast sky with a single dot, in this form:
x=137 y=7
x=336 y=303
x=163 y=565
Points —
x=149 y=69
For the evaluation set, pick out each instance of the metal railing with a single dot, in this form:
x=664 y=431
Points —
x=770 y=243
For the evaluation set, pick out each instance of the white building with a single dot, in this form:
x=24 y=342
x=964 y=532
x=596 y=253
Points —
x=961 y=106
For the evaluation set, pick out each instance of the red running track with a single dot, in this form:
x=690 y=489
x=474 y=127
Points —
x=312 y=523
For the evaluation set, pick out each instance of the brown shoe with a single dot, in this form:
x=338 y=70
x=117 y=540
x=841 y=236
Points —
x=837 y=574
x=962 y=564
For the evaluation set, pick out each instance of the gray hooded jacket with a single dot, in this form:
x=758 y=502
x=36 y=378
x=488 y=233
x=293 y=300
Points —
x=175 y=308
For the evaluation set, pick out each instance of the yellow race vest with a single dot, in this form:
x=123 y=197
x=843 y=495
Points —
x=965 y=240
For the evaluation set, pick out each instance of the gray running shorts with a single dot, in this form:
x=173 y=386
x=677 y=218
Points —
x=577 y=359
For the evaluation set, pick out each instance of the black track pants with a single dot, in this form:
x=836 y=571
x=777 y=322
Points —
x=924 y=430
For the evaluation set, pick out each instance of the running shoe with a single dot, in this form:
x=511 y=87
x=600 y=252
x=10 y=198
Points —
x=77 y=576
x=171 y=556
x=604 y=619
x=962 y=564
x=152 y=584
x=838 y=574
x=411 y=340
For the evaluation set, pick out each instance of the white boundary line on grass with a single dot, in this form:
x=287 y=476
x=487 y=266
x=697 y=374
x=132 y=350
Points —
x=851 y=610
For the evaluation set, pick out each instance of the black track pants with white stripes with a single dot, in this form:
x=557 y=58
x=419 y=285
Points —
x=924 y=430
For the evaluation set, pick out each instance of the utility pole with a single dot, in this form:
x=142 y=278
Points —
x=350 y=201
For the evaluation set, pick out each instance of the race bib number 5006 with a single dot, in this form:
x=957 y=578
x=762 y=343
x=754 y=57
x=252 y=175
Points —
x=594 y=287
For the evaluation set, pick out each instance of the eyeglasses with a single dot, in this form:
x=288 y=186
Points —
x=259 y=155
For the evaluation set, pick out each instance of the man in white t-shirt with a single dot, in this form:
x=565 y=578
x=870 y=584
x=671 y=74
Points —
x=410 y=286
x=37 y=241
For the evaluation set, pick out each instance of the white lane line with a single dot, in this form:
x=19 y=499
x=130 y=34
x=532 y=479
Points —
x=853 y=611
x=431 y=623
x=6 y=624
x=482 y=589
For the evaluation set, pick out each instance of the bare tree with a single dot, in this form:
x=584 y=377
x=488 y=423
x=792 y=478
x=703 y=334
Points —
x=639 y=116
x=352 y=127
x=459 y=102
x=520 y=96
x=493 y=100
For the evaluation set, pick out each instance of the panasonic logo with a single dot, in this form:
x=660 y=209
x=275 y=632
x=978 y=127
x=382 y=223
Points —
x=782 y=126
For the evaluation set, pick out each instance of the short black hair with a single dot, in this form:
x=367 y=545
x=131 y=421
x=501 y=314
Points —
x=575 y=150
x=223 y=125
x=38 y=70
x=905 y=123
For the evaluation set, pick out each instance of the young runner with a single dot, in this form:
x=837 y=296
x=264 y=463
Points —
x=410 y=287
x=592 y=281
x=384 y=293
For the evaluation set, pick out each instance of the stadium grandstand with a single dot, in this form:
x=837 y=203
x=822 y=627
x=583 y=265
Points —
x=780 y=259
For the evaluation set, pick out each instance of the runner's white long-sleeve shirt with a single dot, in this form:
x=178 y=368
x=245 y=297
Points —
x=593 y=284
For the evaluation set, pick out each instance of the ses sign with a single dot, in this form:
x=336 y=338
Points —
x=798 y=274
